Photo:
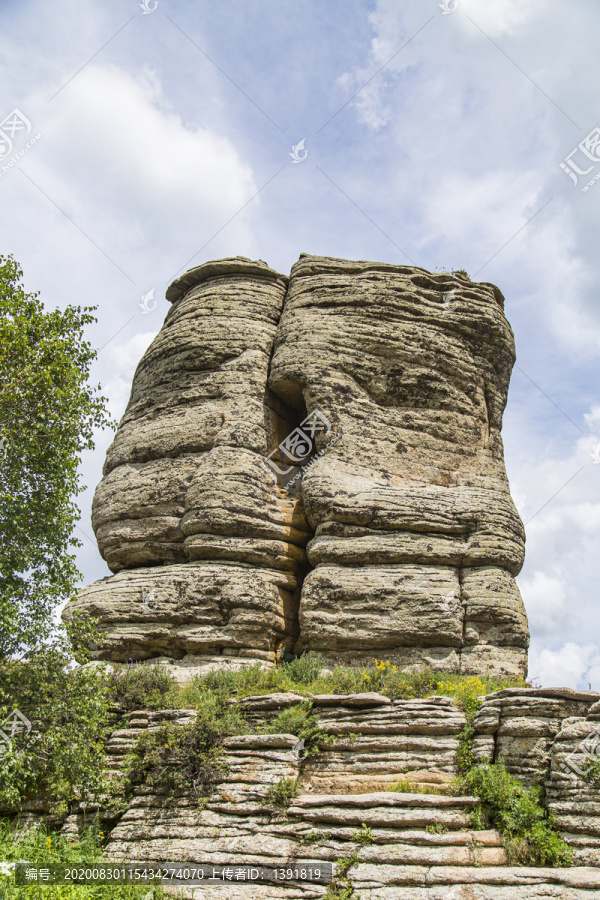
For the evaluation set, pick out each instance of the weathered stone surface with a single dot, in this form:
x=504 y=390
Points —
x=421 y=845
x=416 y=485
x=196 y=608
x=524 y=723
x=185 y=483
x=401 y=539
x=574 y=801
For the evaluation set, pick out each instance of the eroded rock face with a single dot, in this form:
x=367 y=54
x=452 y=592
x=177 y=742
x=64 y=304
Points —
x=417 y=539
x=400 y=377
x=373 y=753
x=206 y=547
x=519 y=727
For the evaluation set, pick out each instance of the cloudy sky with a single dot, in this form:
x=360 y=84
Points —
x=150 y=140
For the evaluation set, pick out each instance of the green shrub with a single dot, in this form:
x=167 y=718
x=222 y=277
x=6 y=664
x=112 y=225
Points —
x=304 y=669
x=528 y=830
x=341 y=887
x=62 y=755
x=142 y=687
x=281 y=793
x=592 y=775
x=464 y=752
x=299 y=720
x=185 y=759
x=42 y=846
x=364 y=836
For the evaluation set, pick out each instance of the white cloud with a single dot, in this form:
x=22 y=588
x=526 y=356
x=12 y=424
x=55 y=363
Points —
x=133 y=175
x=478 y=147
x=500 y=17
x=573 y=665
x=123 y=360
x=544 y=596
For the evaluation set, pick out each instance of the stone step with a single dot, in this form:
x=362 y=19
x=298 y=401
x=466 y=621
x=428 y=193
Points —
x=413 y=836
x=385 y=810
x=219 y=848
x=397 y=817
x=383 y=798
x=365 y=876
x=448 y=892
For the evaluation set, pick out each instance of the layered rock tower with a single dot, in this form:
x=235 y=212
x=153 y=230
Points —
x=315 y=463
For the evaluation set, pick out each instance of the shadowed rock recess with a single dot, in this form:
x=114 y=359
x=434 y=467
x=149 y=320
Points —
x=315 y=464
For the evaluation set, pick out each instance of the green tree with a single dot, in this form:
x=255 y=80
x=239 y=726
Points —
x=59 y=756
x=48 y=411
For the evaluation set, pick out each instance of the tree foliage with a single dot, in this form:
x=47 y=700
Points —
x=60 y=757
x=48 y=412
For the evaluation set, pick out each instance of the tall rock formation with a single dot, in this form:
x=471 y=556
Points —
x=315 y=465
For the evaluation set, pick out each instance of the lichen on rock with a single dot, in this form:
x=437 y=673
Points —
x=315 y=464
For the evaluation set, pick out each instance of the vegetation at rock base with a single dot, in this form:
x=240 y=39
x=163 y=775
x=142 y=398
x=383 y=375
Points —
x=307 y=675
x=527 y=828
x=592 y=773
x=404 y=786
x=438 y=828
x=42 y=847
x=62 y=755
x=176 y=758
x=301 y=721
x=341 y=887
x=184 y=759
x=142 y=687
x=364 y=836
x=316 y=837
x=281 y=793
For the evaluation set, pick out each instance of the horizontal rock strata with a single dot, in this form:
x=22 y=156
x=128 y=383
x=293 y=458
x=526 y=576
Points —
x=421 y=845
x=416 y=489
x=575 y=801
x=519 y=727
x=326 y=448
x=185 y=483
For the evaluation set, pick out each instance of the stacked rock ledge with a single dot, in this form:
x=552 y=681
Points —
x=420 y=845
x=395 y=536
